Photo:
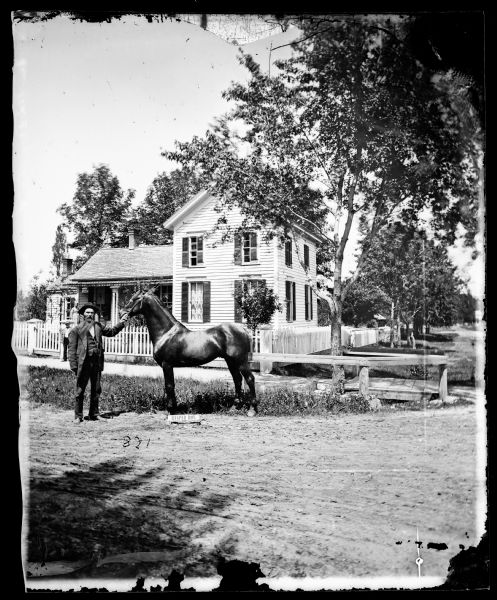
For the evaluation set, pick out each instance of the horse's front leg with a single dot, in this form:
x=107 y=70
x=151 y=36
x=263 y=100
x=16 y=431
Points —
x=169 y=398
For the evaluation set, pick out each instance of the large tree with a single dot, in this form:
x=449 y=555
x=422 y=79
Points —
x=36 y=300
x=59 y=249
x=98 y=213
x=416 y=276
x=164 y=196
x=353 y=129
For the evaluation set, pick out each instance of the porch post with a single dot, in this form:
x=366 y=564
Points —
x=114 y=307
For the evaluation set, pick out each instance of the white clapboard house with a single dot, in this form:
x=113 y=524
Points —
x=198 y=274
x=206 y=271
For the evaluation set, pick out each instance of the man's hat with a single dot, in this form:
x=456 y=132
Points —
x=89 y=305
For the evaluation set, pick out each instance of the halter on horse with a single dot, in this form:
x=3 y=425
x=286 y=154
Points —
x=174 y=345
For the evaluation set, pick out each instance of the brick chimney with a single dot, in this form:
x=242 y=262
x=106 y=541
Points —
x=66 y=267
x=133 y=238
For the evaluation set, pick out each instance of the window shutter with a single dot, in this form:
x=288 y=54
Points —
x=288 y=253
x=184 y=301
x=184 y=258
x=238 y=249
x=288 y=291
x=207 y=302
x=294 y=302
x=306 y=255
x=200 y=251
x=306 y=301
x=238 y=290
x=311 y=301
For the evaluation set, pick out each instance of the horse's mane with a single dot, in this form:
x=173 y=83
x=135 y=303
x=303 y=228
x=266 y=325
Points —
x=162 y=306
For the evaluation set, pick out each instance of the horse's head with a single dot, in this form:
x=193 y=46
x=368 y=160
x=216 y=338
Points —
x=135 y=304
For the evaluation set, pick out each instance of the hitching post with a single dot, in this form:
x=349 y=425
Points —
x=364 y=381
x=442 y=386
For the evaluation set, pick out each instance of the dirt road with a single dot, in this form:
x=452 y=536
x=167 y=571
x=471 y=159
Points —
x=335 y=496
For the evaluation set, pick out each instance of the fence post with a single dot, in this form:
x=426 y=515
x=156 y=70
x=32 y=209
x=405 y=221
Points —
x=33 y=325
x=364 y=381
x=61 y=345
x=266 y=348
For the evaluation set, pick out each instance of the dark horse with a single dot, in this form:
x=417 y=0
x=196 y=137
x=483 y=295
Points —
x=177 y=346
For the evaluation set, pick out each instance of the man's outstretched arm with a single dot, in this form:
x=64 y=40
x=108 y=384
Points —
x=111 y=331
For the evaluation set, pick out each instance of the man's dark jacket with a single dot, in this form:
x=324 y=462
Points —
x=78 y=343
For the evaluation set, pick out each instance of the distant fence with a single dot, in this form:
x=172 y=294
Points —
x=304 y=340
x=35 y=336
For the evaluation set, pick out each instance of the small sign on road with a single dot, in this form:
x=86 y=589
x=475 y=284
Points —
x=188 y=418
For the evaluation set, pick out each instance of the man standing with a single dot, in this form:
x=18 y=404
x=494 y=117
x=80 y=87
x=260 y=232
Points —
x=86 y=357
x=64 y=332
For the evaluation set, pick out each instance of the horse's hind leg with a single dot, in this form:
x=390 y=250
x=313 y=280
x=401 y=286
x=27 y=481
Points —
x=249 y=378
x=237 y=377
x=169 y=398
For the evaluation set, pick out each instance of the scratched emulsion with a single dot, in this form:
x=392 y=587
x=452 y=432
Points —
x=319 y=497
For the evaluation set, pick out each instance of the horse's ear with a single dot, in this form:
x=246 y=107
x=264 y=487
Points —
x=153 y=289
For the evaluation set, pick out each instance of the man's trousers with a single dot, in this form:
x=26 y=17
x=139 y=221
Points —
x=90 y=371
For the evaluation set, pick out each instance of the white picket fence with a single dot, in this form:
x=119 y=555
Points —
x=135 y=340
x=20 y=335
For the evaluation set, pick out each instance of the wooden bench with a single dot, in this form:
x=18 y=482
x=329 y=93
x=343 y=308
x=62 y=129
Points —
x=365 y=363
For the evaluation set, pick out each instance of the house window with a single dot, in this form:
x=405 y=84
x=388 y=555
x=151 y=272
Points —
x=308 y=302
x=291 y=306
x=166 y=295
x=249 y=247
x=68 y=303
x=288 y=253
x=193 y=251
x=306 y=256
x=196 y=302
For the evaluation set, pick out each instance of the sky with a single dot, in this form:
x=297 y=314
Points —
x=119 y=93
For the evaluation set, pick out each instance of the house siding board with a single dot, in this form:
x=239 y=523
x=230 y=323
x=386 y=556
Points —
x=219 y=267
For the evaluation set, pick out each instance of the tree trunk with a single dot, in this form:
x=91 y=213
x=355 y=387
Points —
x=392 y=332
x=410 y=340
x=338 y=373
x=398 y=339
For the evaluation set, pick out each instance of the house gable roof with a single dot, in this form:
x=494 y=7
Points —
x=187 y=208
x=143 y=262
x=197 y=201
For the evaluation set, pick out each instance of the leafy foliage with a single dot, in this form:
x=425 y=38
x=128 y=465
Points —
x=258 y=303
x=363 y=300
x=415 y=273
x=98 y=213
x=164 y=196
x=36 y=301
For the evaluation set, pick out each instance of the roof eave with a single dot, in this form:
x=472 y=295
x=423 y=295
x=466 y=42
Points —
x=186 y=208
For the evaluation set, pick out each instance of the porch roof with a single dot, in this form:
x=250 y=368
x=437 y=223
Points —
x=125 y=264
